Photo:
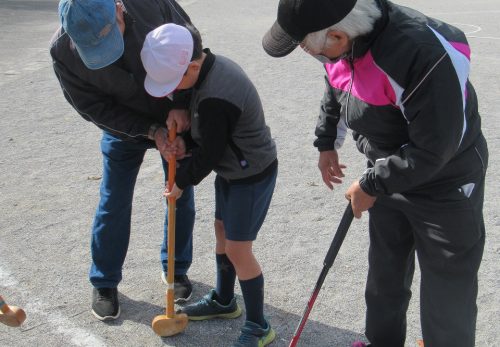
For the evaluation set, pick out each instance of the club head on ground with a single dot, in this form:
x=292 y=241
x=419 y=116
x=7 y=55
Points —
x=14 y=318
x=168 y=326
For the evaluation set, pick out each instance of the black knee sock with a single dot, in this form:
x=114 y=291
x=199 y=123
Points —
x=253 y=295
x=226 y=276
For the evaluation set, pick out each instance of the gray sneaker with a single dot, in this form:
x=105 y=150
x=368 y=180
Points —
x=253 y=335
x=208 y=308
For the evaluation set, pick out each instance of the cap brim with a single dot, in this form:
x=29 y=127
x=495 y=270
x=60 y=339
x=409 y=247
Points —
x=159 y=90
x=277 y=43
x=106 y=52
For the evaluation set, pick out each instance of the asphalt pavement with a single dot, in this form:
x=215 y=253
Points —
x=50 y=165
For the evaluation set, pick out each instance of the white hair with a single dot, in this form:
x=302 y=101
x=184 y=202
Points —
x=358 y=22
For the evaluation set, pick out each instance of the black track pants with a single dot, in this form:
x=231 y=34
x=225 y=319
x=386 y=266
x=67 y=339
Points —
x=447 y=232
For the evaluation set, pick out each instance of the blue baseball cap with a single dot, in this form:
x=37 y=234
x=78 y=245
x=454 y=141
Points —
x=92 y=26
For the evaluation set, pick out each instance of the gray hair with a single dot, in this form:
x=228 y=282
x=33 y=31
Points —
x=358 y=22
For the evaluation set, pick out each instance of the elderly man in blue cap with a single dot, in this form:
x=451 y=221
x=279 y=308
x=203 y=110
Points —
x=96 y=57
x=400 y=81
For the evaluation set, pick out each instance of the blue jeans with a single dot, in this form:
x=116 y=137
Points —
x=111 y=229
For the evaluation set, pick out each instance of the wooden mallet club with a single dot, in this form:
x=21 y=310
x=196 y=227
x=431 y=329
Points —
x=12 y=316
x=170 y=323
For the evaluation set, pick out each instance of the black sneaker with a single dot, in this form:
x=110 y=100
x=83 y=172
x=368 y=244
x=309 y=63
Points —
x=105 y=304
x=209 y=308
x=182 y=287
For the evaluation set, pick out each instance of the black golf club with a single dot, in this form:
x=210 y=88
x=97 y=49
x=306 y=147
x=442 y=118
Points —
x=345 y=222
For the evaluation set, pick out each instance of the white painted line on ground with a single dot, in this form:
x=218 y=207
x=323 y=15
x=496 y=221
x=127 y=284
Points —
x=63 y=326
x=58 y=323
x=475 y=28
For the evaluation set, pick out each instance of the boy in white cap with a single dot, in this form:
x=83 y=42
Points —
x=231 y=137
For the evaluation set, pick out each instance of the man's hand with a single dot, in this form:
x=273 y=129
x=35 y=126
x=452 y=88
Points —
x=175 y=193
x=181 y=118
x=360 y=201
x=331 y=170
x=176 y=149
x=161 y=140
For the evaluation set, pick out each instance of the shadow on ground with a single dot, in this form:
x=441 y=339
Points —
x=223 y=332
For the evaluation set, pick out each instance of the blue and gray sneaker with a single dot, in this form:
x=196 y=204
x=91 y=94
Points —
x=253 y=335
x=209 y=308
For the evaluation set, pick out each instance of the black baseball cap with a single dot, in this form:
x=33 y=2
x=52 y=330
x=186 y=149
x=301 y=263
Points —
x=297 y=18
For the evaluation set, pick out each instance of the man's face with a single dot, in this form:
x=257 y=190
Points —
x=328 y=47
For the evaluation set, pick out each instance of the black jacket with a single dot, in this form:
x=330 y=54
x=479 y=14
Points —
x=114 y=98
x=405 y=93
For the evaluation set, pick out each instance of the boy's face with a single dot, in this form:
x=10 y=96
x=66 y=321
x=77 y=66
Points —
x=191 y=76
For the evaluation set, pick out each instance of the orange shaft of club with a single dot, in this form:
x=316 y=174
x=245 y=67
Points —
x=171 y=228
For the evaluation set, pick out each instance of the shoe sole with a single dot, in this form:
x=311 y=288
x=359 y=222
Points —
x=268 y=339
x=107 y=318
x=230 y=315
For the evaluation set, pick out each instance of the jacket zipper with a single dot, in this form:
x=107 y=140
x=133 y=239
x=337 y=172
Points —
x=351 y=65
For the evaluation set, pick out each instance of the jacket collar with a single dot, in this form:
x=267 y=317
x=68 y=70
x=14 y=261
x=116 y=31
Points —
x=362 y=44
x=205 y=67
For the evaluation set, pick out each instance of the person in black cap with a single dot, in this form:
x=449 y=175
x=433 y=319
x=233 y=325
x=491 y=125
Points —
x=96 y=58
x=400 y=81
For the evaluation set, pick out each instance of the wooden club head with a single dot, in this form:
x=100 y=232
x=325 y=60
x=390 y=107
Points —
x=14 y=317
x=164 y=325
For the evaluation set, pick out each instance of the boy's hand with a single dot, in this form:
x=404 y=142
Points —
x=181 y=118
x=175 y=193
x=178 y=148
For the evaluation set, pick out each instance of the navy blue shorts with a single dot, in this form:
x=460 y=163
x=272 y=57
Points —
x=242 y=207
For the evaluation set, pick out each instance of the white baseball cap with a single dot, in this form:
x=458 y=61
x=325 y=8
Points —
x=166 y=55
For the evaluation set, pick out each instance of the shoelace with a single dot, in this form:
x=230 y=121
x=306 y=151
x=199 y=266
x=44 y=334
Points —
x=204 y=301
